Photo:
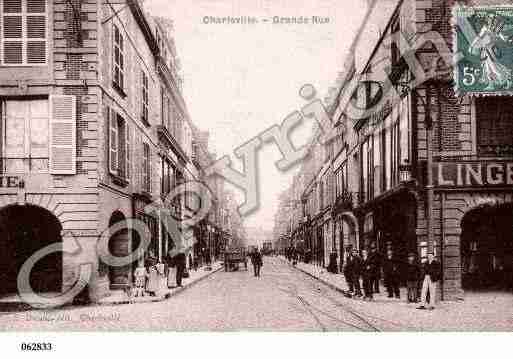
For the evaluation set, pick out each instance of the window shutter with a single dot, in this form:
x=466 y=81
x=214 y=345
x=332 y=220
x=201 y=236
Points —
x=149 y=170
x=113 y=142
x=127 y=151
x=142 y=172
x=62 y=134
x=11 y=6
x=36 y=43
x=12 y=31
x=24 y=32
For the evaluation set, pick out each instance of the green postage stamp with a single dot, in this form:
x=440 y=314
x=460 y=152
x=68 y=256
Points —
x=484 y=48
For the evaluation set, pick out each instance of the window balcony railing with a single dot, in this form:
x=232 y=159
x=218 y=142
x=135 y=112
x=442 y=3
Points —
x=346 y=201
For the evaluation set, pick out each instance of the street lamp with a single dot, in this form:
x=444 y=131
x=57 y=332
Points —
x=405 y=172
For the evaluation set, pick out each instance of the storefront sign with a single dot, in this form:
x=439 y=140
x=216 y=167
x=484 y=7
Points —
x=473 y=174
x=11 y=182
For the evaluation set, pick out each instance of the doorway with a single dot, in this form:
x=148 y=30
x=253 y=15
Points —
x=24 y=230
x=487 y=248
x=119 y=247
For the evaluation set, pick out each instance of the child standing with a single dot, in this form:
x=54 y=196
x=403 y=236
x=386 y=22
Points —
x=140 y=275
x=152 y=284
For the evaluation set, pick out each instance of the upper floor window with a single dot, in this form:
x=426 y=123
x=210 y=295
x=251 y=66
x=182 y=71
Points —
x=395 y=29
x=119 y=146
x=146 y=168
x=119 y=60
x=167 y=176
x=340 y=181
x=24 y=32
x=145 y=98
x=38 y=135
x=494 y=117
x=321 y=194
x=167 y=118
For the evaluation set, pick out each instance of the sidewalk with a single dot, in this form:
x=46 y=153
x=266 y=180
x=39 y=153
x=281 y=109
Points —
x=479 y=311
x=13 y=302
x=120 y=297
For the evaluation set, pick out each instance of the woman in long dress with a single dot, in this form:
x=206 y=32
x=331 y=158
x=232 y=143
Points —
x=152 y=286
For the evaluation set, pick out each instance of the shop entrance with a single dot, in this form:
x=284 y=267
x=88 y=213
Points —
x=394 y=226
x=487 y=248
x=23 y=231
x=118 y=247
x=348 y=234
x=318 y=246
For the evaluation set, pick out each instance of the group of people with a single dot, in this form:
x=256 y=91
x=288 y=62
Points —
x=292 y=255
x=158 y=277
x=421 y=279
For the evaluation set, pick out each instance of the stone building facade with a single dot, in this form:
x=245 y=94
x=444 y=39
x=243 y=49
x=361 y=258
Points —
x=94 y=129
x=392 y=125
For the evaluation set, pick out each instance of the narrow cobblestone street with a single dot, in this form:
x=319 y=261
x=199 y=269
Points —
x=281 y=299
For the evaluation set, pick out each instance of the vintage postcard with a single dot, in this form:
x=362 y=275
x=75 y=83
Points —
x=257 y=166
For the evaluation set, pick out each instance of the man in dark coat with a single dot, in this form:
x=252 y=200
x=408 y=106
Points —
x=375 y=258
x=348 y=270
x=356 y=272
x=431 y=272
x=412 y=278
x=256 y=260
x=391 y=272
x=367 y=275
x=180 y=262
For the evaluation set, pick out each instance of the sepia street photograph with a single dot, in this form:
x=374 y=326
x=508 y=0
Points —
x=255 y=166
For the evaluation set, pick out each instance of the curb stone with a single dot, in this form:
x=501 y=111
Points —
x=165 y=297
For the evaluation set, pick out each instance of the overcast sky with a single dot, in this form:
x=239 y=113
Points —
x=241 y=79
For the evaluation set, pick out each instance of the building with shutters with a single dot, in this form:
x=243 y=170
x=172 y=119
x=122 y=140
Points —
x=461 y=207
x=94 y=129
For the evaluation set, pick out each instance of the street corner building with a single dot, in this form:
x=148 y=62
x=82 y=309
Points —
x=94 y=128
x=419 y=164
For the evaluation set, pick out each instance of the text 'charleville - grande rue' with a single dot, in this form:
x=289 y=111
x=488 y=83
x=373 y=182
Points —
x=274 y=20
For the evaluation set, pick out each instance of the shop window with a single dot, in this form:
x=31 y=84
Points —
x=152 y=224
x=24 y=32
x=494 y=117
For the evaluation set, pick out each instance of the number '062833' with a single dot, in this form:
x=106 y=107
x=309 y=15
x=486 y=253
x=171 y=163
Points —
x=36 y=346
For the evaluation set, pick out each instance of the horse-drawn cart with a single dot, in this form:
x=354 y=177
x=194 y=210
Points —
x=233 y=257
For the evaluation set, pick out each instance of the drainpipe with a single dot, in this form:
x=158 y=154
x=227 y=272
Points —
x=429 y=179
